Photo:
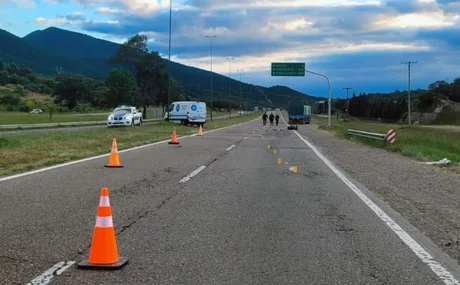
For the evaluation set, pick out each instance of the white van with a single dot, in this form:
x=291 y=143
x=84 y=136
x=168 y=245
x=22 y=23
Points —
x=187 y=113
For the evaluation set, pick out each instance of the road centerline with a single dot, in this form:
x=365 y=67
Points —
x=47 y=276
x=192 y=174
x=230 y=147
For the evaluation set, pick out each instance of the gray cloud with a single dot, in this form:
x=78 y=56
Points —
x=260 y=31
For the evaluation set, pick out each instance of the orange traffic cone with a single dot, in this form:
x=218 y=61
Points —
x=103 y=253
x=200 y=131
x=173 y=137
x=114 y=161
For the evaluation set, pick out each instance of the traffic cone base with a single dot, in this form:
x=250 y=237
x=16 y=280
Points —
x=114 y=166
x=84 y=264
x=103 y=253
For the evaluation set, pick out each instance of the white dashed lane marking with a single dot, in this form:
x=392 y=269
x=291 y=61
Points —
x=195 y=172
x=230 y=147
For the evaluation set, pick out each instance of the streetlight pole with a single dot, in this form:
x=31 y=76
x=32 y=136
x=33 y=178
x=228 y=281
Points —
x=169 y=60
x=348 y=104
x=212 y=100
x=230 y=85
x=409 y=65
x=329 y=124
x=241 y=94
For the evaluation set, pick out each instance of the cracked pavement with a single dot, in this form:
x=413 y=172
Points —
x=244 y=219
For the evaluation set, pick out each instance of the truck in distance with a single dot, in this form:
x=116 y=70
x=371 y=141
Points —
x=299 y=114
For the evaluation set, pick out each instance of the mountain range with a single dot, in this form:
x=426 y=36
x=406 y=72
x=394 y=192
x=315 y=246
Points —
x=49 y=50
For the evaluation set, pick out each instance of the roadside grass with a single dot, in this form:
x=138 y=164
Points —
x=32 y=151
x=424 y=144
x=15 y=118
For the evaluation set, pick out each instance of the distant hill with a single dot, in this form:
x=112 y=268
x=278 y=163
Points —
x=15 y=49
x=71 y=44
x=47 y=49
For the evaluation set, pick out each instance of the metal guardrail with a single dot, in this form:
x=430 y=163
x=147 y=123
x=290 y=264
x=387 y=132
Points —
x=374 y=136
x=64 y=124
x=89 y=123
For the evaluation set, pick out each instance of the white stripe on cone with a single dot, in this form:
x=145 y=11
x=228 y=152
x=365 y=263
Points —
x=104 y=222
x=104 y=201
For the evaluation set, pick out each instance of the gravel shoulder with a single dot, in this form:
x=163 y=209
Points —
x=427 y=196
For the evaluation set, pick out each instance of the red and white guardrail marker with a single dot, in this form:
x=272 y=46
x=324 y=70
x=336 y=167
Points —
x=391 y=137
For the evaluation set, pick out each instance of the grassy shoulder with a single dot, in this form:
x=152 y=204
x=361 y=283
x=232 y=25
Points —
x=424 y=144
x=16 y=118
x=32 y=151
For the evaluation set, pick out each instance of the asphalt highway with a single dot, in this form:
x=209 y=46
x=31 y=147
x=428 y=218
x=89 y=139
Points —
x=241 y=219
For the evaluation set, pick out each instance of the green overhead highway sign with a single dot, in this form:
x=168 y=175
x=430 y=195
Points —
x=288 y=69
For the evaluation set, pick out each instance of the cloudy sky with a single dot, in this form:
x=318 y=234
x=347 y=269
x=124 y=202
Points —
x=357 y=43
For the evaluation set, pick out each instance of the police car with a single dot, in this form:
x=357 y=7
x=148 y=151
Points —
x=124 y=116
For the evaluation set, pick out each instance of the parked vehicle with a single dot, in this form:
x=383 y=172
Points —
x=124 y=116
x=299 y=114
x=187 y=113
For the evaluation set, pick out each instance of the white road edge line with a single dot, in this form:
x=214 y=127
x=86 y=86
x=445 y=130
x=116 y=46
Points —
x=47 y=276
x=426 y=257
x=230 y=147
x=6 y=178
x=193 y=173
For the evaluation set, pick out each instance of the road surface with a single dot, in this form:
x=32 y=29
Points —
x=242 y=219
x=81 y=128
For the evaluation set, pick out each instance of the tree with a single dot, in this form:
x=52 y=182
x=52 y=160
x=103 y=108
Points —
x=24 y=70
x=52 y=108
x=426 y=102
x=3 y=77
x=440 y=86
x=12 y=69
x=353 y=106
x=148 y=67
x=1 y=65
x=454 y=93
x=71 y=89
x=121 y=87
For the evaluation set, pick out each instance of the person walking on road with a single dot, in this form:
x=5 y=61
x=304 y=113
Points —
x=271 y=117
x=264 y=118
x=277 y=119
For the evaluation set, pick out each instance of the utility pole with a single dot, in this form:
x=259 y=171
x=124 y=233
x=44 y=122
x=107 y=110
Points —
x=348 y=104
x=409 y=65
x=230 y=86
x=212 y=99
x=169 y=60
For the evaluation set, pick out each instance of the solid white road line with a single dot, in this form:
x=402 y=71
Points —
x=230 y=147
x=424 y=256
x=47 y=276
x=106 y=155
x=195 y=172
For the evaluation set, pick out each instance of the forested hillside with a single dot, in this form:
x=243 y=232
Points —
x=55 y=50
